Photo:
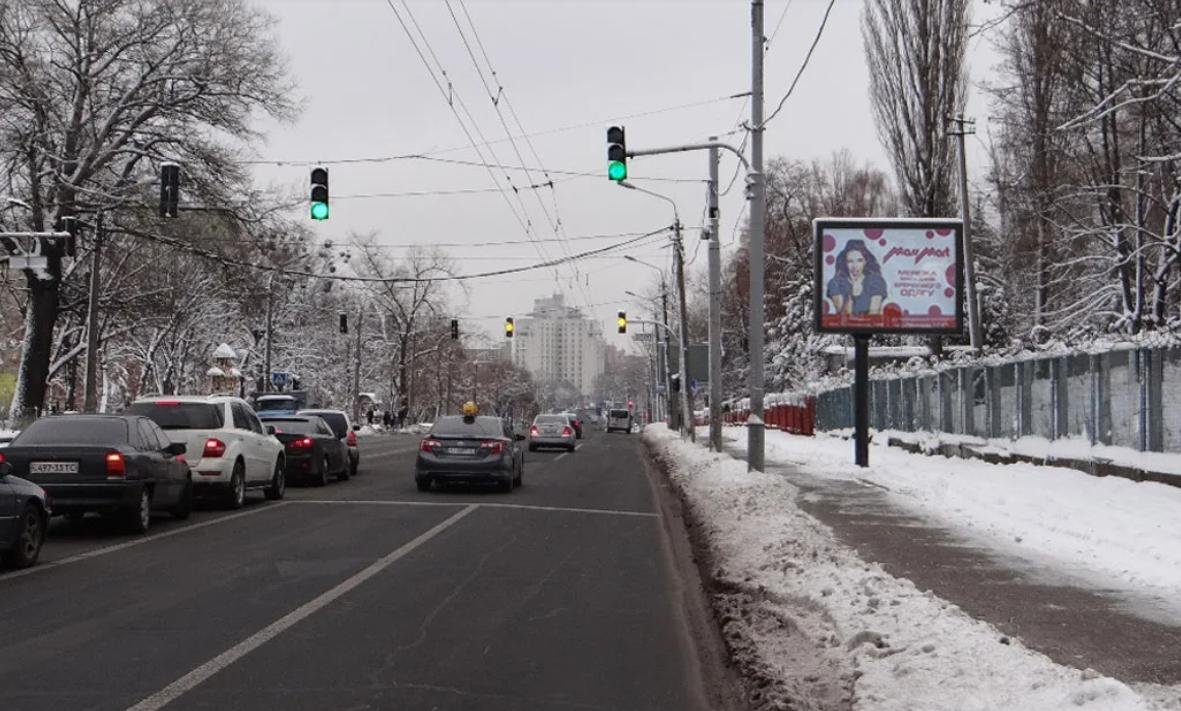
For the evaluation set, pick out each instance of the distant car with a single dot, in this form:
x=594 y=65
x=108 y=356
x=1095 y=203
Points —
x=345 y=431
x=276 y=404
x=470 y=449
x=229 y=450
x=619 y=419
x=123 y=465
x=552 y=431
x=313 y=451
x=575 y=422
x=24 y=518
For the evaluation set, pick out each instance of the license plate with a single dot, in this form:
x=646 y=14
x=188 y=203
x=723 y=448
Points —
x=460 y=450
x=53 y=467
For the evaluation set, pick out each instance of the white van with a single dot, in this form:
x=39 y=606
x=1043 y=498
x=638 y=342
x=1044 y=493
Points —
x=619 y=419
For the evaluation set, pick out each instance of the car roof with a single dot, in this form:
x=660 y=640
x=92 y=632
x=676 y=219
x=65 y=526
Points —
x=186 y=398
x=319 y=411
x=276 y=396
x=299 y=417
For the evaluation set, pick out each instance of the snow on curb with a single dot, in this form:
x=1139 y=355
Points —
x=832 y=630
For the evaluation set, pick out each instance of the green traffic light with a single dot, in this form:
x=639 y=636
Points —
x=319 y=211
x=617 y=170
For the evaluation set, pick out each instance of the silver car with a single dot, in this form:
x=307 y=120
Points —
x=552 y=431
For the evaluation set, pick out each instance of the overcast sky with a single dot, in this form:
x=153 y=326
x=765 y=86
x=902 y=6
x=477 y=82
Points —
x=569 y=68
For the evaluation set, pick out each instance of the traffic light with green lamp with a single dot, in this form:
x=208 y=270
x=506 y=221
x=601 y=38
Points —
x=616 y=154
x=621 y=320
x=509 y=328
x=319 y=207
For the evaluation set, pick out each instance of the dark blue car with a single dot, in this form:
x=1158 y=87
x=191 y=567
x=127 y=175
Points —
x=24 y=518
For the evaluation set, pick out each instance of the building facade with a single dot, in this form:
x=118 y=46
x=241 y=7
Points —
x=557 y=343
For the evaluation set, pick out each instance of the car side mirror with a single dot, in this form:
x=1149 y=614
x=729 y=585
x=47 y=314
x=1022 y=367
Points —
x=176 y=448
x=270 y=429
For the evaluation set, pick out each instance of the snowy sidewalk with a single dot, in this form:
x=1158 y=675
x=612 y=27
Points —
x=855 y=602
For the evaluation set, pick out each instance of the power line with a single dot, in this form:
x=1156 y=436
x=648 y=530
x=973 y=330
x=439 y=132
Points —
x=804 y=65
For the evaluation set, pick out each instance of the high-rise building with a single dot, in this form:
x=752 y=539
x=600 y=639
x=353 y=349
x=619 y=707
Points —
x=557 y=343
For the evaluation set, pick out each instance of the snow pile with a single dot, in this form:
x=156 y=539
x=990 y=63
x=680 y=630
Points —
x=368 y=430
x=1111 y=531
x=814 y=626
x=7 y=436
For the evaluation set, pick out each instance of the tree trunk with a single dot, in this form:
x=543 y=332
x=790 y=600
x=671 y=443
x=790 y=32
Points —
x=40 y=319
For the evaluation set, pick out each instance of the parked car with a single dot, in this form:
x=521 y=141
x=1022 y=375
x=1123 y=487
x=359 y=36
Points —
x=619 y=419
x=470 y=449
x=121 y=465
x=312 y=450
x=576 y=423
x=552 y=431
x=229 y=450
x=345 y=431
x=24 y=518
x=276 y=404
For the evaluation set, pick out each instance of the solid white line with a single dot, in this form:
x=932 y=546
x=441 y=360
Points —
x=138 y=541
x=559 y=457
x=194 y=678
x=529 y=507
x=577 y=447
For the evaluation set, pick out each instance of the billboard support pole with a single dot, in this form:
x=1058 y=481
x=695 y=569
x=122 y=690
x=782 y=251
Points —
x=861 y=399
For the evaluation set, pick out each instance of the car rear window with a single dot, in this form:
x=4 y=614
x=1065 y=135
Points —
x=551 y=419
x=620 y=413
x=74 y=430
x=299 y=426
x=335 y=420
x=479 y=427
x=181 y=415
x=281 y=403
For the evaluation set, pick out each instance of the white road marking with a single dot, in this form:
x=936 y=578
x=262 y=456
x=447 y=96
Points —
x=528 y=507
x=199 y=675
x=563 y=454
x=577 y=447
x=138 y=541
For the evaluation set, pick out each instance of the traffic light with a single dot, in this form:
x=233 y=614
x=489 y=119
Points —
x=344 y=322
x=169 y=189
x=455 y=329
x=319 y=194
x=616 y=154
x=509 y=328
x=621 y=320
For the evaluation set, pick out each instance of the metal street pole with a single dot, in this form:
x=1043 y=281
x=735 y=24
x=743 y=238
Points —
x=715 y=306
x=357 y=371
x=686 y=411
x=758 y=207
x=266 y=376
x=90 y=398
x=670 y=409
x=974 y=328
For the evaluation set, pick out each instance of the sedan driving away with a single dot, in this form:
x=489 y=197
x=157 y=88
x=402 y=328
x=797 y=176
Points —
x=552 y=431
x=470 y=449
x=313 y=450
x=345 y=431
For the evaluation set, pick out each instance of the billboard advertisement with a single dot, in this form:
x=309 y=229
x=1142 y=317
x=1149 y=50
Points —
x=888 y=276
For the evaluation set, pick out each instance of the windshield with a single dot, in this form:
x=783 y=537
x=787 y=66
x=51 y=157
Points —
x=277 y=403
x=74 y=430
x=620 y=413
x=550 y=420
x=336 y=420
x=301 y=425
x=459 y=427
x=172 y=415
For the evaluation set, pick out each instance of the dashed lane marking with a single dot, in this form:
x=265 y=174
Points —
x=194 y=678
x=527 y=507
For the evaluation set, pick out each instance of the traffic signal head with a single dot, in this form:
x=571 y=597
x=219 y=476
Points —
x=616 y=154
x=169 y=189
x=454 y=329
x=621 y=320
x=509 y=328
x=319 y=207
x=344 y=322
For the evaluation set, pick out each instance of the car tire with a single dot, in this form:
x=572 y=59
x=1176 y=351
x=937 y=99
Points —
x=184 y=507
x=519 y=479
x=278 y=488
x=344 y=474
x=139 y=519
x=571 y=447
x=423 y=484
x=532 y=448
x=322 y=476
x=235 y=495
x=506 y=486
x=354 y=465
x=30 y=537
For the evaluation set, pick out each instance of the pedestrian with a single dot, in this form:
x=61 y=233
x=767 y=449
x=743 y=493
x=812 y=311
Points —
x=369 y=416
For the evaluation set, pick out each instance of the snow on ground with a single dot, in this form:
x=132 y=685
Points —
x=7 y=436
x=830 y=628
x=1109 y=531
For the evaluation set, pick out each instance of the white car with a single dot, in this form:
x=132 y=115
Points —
x=228 y=448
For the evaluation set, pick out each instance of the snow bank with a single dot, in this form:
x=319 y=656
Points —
x=1110 y=531
x=831 y=629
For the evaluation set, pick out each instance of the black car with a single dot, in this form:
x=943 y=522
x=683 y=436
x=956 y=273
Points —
x=24 y=518
x=313 y=451
x=115 y=464
x=470 y=449
x=345 y=431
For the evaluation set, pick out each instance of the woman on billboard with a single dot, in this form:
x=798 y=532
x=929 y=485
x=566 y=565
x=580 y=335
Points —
x=857 y=289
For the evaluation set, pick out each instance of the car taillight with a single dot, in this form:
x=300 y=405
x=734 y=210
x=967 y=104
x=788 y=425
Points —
x=533 y=431
x=214 y=448
x=116 y=466
x=302 y=443
x=428 y=445
x=1 y=457
x=351 y=439
x=566 y=431
x=493 y=446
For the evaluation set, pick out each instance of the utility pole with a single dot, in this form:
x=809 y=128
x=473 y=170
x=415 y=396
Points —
x=715 y=305
x=756 y=436
x=686 y=410
x=965 y=127
x=266 y=375
x=90 y=397
x=357 y=371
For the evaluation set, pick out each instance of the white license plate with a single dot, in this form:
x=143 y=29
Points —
x=53 y=467
x=460 y=450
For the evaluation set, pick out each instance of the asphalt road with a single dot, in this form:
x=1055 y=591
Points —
x=368 y=594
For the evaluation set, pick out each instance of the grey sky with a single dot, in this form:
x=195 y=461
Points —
x=562 y=63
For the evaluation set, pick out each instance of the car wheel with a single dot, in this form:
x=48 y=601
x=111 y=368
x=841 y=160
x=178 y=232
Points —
x=532 y=448
x=184 y=507
x=236 y=495
x=354 y=465
x=278 y=487
x=344 y=472
x=139 y=519
x=518 y=481
x=570 y=448
x=322 y=477
x=506 y=486
x=423 y=484
x=30 y=537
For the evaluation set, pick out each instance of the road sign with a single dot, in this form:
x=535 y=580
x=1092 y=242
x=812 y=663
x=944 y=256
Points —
x=280 y=377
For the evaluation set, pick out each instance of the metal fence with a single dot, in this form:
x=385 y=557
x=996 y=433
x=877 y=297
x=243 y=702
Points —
x=1120 y=398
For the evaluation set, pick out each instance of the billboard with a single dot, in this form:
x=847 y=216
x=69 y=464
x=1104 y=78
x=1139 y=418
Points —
x=878 y=275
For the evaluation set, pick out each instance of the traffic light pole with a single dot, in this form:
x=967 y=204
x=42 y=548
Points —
x=90 y=396
x=715 y=306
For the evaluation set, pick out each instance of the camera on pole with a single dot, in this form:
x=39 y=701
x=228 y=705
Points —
x=616 y=154
x=169 y=189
